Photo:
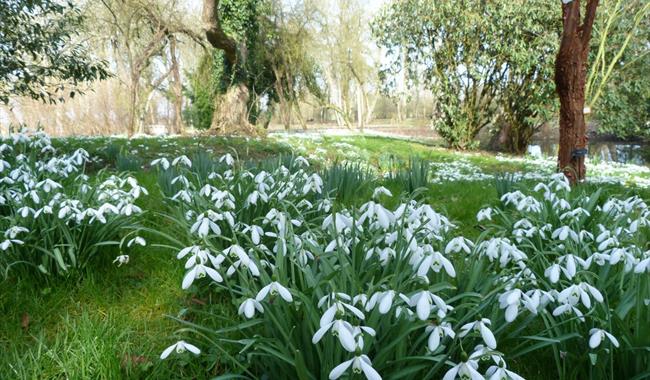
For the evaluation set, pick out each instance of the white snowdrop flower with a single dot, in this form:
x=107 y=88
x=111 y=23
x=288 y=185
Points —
x=200 y=271
x=643 y=265
x=162 y=162
x=510 y=301
x=458 y=244
x=379 y=191
x=182 y=179
x=7 y=243
x=243 y=260
x=360 y=364
x=340 y=222
x=435 y=261
x=580 y=293
x=48 y=185
x=482 y=326
x=484 y=214
x=180 y=347
x=424 y=301
x=384 y=301
x=183 y=195
x=274 y=288
x=437 y=333
x=246 y=263
x=301 y=161
x=500 y=372
x=25 y=211
x=256 y=233
x=137 y=240
x=564 y=232
x=568 y=308
x=343 y=330
x=553 y=273
x=13 y=231
x=228 y=159
x=248 y=307
x=129 y=209
x=529 y=204
x=598 y=336
x=314 y=184
x=121 y=259
x=182 y=160
x=467 y=370
x=204 y=224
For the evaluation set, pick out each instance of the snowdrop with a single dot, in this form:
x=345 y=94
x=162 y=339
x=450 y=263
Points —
x=459 y=244
x=137 y=241
x=379 y=191
x=162 y=162
x=501 y=372
x=182 y=160
x=121 y=259
x=437 y=333
x=179 y=347
x=435 y=261
x=484 y=214
x=467 y=370
x=424 y=301
x=248 y=307
x=360 y=364
x=274 y=288
x=597 y=336
x=200 y=271
x=481 y=326
x=228 y=159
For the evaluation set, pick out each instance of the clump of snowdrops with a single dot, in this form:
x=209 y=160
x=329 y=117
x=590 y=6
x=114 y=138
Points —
x=328 y=291
x=54 y=218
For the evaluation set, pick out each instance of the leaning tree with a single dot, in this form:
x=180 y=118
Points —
x=245 y=75
x=570 y=78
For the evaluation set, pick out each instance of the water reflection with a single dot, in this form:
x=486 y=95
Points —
x=608 y=151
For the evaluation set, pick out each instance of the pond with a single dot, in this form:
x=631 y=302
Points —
x=608 y=151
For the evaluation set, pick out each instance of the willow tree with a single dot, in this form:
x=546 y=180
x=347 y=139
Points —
x=570 y=79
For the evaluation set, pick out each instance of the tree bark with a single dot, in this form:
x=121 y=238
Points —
x=570 y=77
x=177 y=89
x=231 y=109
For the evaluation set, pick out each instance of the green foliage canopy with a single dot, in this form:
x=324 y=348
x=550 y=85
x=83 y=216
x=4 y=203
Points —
x=39 y=56
x=484 y=61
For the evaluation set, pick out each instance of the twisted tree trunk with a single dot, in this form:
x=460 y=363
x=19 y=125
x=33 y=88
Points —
x=570 y=77
x=231 y=109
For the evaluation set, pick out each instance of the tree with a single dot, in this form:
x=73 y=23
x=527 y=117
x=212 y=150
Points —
x=39 y=54
x=243 y=66
x=617 y=91
x=570 y=78
x=142 y=31
x=483 y=61
x=289 y=34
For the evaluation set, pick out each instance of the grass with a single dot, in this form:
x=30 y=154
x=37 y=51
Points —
x=113 y=323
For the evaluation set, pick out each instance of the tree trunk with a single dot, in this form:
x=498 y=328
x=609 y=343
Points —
x=133 y=105
x=177 y=88
x=231 y=109
x=570 y=76
x=231 y=112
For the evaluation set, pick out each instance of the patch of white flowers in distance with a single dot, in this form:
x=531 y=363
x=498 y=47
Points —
x=413 y=256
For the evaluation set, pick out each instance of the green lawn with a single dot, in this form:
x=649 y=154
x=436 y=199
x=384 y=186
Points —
x=114 y=322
